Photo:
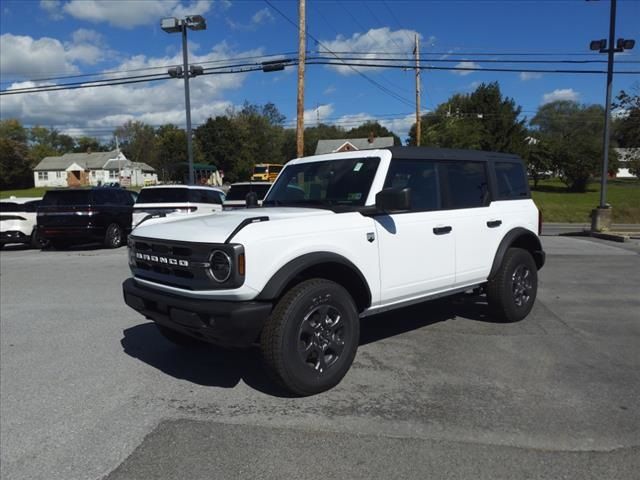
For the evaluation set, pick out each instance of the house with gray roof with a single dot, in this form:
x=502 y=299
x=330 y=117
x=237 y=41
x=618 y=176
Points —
x=352 y=144
x=92 y=169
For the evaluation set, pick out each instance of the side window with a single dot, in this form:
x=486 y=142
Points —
x=419 y=175
x=198 y=195
x=511 y=180
x=102 y=197
x=465 y=184
x=124 y=198
x=213 y=197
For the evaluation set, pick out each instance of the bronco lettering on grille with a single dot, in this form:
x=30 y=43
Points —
x=145 y=257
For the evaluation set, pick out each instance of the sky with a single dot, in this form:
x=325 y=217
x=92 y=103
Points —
x=51 y=38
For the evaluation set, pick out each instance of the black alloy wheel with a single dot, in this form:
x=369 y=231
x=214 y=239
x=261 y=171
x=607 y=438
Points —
x=113 y=237
x=311 y=337
x=512 y=291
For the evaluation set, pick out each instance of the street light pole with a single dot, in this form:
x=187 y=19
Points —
x=174 y=25
x=607 y=106
x=187 y=101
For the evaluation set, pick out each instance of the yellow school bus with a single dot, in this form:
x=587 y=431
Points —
x=265 y=172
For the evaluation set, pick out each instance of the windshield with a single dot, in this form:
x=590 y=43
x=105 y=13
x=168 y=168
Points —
x=239 y=192
x=163 y=195
x=257 y=169
x=344 y=182
x=66 y=197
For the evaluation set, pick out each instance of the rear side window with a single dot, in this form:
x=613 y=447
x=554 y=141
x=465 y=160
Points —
x=421 y=177
x=105 y=197
x=163 y=195
x=214 y=197
x=239 y=192
x=465 y=184
x=511 y=181
x=56 y=198
x=11 y=207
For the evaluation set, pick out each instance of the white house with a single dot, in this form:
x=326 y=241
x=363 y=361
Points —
x=624 y=156
x=352 y=144
x=92 y=168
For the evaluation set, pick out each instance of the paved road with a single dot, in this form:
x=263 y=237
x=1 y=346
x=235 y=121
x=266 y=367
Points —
x=89 y=390
x=559 y=228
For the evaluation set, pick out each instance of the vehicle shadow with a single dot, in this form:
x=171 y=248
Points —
x=211 y=366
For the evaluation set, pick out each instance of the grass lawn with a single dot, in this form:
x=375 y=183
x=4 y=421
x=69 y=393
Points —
x=26 y=192
x=558 y=205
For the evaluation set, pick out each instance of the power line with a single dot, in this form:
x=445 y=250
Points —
x=161 y=67
x=366 y=77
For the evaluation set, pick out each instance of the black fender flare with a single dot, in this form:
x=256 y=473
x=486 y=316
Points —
x=274 y=288
x=521 y=237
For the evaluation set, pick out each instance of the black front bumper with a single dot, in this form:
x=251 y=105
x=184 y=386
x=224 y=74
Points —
x=14 y=236
x=224 y=323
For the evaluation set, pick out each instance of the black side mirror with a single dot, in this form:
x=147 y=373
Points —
x=393 y=200
x=251 y=199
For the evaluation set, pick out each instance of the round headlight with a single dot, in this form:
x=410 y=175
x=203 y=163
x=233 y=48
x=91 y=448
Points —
x=220 y=266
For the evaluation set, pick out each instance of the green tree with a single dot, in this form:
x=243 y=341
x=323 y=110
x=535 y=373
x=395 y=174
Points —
x=483 y=120
x=138 y=142
x=15 y=168
x=320 y=132
x=627 y=125
x=85 y=144
x=371 y=128
x=538 y=159
x=572 y=133
x=171 y=142
x=12 y=129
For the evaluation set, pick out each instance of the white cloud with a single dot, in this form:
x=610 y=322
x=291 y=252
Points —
x=52 y=7
x=321 y=112
x=262 y=16
x=93 y=110
x=329 y=90
x=560 y=94
x=134 y=12
x=24 y=56
x=524 y=76
x=375 y=40
x=465 y=64
x=259 y=18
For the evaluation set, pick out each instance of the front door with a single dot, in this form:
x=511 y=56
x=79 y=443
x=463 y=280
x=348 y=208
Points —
x=417 y=248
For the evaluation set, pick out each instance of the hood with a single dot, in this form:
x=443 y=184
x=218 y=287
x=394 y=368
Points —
x=216 y=228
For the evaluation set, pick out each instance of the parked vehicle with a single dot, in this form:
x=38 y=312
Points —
x=266 y=172
x=237 y=194
x=18 y=221
x=76 y=216
x=172 y=200
x=340 y=237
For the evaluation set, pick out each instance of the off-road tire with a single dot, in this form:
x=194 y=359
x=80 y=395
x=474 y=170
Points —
x=178 y=338
x=310 y=339
x=114 y=236
x=511 y=293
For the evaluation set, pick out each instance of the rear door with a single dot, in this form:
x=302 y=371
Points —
x=417 y=248
x=474 y=218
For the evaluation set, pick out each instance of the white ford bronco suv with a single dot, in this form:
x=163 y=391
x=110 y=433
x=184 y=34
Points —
x=340 y=237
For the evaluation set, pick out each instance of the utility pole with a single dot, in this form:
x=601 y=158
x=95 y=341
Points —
x=301 y=60
x=416 y=52
x=187 y=103
x=601 y=216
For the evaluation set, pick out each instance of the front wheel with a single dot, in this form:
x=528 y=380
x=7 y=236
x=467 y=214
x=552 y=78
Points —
x=310 y=340
x=113 y=236
x=512 y=291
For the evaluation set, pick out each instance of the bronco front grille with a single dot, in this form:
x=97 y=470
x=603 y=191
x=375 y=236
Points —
x=177 y=264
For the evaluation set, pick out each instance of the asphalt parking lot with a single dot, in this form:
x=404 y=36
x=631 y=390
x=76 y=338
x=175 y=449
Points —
x=90 y=390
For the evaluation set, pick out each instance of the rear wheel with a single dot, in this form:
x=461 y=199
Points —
x=512 y=291
x=178 y=338
x=310 y=340
x=36 y=240
x=113 y=236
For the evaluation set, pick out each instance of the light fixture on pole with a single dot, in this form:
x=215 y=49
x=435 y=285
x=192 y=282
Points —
x=175 y=25
x=601 y=216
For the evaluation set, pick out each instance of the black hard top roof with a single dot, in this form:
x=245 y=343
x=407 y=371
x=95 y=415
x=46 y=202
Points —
x=432 y=153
